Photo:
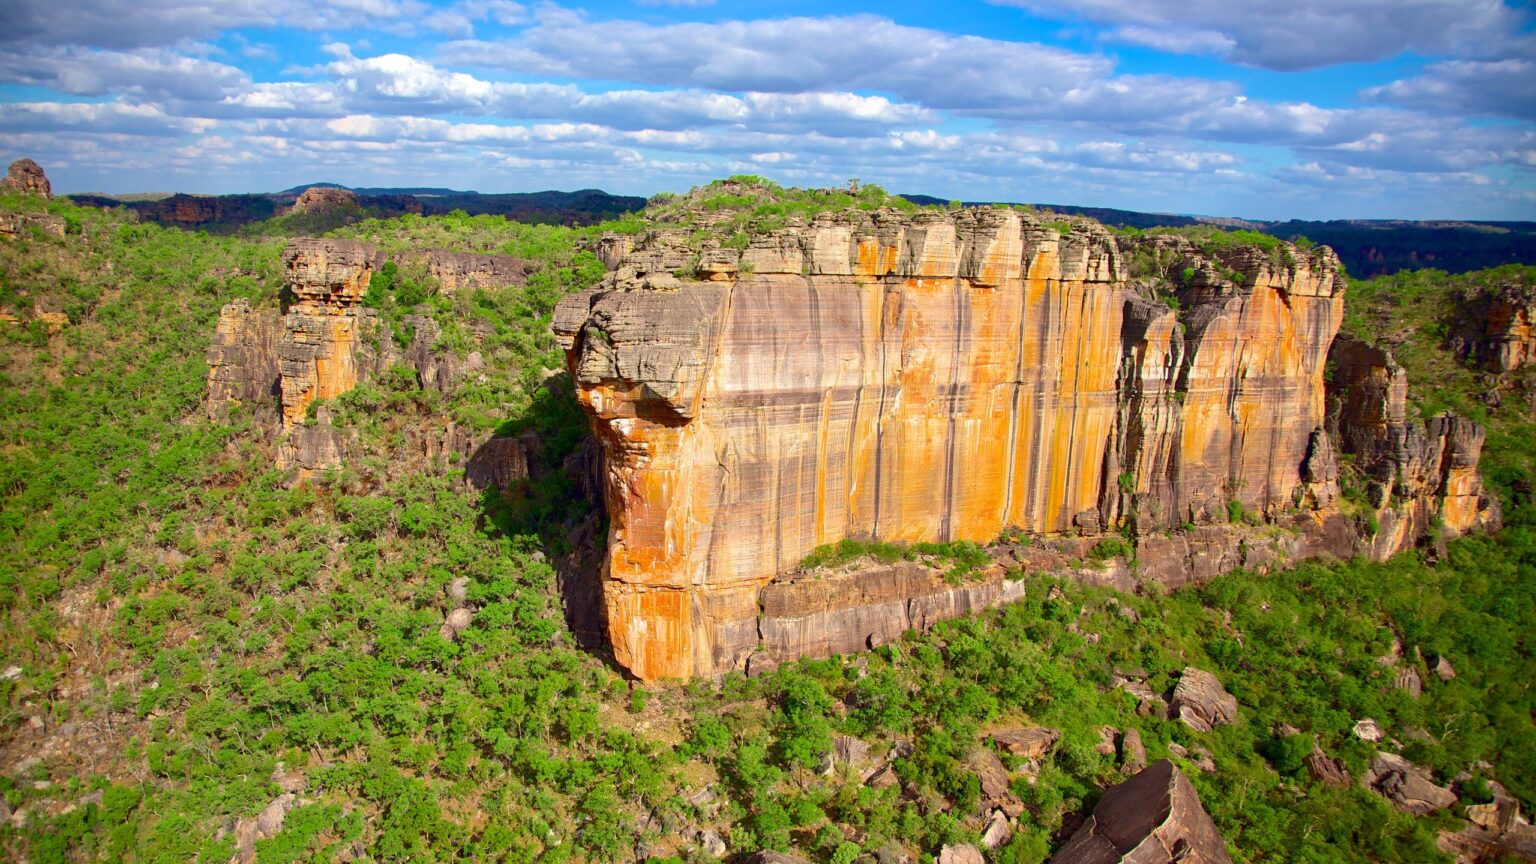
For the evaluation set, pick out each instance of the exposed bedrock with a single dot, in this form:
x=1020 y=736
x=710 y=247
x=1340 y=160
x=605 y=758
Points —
x=932 y=377
x=1153 y=818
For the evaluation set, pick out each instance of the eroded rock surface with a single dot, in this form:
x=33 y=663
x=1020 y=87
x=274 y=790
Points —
x=1406 y=785
x=1153 y=818
x=1201 y=702
x=939 y=377
x=319 y=199
x=26 y=177
x=466 y=271
x=243 y=365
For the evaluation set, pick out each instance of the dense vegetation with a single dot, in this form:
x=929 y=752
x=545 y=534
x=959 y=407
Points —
x=191 y=632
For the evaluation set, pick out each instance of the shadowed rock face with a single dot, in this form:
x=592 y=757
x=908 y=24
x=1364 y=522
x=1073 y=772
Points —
x=931 y=377
x=242 y=363
x=1152 y=818
x=1431 y=467
x=456 y=271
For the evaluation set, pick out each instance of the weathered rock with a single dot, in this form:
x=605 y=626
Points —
x=960 y=853
x=998 y=831
x=266 y=824
x=1509 y=328
x=321 y=199
x=1495 y=831
x=1406 y=785
x=822 y=614
x=1326 y=769
x=14 y=225
x=1029 y=743
x=243 y=365
x=458 y=590
x=990 y=772
x=26 y=177
x=1406 y=678
x=1201 y=702
x=457 y=622
x=1106 y=745
x=467 y=271
x=1368 y=730
x=499 y=462
x=939 y=377
x=1133 y=754
x=1430 y=467
x=1443 y=668
x=711 y=842
x=1152 y=818
x=320 y=345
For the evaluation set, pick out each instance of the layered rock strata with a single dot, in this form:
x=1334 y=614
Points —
x=944 y=376
x=1153 y=818
x=320 y=199
x=466 y=271
x=319 y=352
x=933 y=377
x=1421 y=476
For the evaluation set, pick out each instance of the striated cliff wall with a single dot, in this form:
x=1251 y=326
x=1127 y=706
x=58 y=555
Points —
x=933 y=377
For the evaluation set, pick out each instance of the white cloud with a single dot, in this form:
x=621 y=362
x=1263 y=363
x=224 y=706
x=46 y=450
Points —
x=1301 y=34
x=1496 y=88
x=863 y=52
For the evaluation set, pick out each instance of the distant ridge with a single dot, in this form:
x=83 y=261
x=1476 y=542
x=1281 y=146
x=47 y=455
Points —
x=1368 y=247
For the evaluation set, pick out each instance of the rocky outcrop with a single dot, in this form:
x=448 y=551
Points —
x=467 y=271
x=26 y=177
x=322 y=330
x=1201 y=702
x=1406 y=785
x=14 y=225
x=933 y=377
x=321 y=199
x=1495 y=831
x=1153 y=818
x=1418 y=475
x=821 y=614
x=243 y=365
x=1509 y=330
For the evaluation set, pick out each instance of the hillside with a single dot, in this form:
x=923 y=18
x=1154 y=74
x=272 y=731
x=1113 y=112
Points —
x=209 y=657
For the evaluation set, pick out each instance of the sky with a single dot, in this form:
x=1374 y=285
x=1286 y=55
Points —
x=1310 y=109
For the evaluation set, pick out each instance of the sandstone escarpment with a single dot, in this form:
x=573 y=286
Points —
x=1510 y=329
x=243 y=365
x=935 y=377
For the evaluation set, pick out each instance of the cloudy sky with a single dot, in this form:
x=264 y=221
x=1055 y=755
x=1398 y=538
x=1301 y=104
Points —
x=1258 y=108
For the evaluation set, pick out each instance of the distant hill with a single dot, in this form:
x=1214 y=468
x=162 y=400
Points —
x=1368 y=247
x=226 y=213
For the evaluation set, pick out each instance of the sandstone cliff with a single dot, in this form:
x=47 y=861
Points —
x=26 y=177
x=933 y=377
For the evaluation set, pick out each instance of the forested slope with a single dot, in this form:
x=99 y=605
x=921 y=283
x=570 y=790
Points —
x=189 y=639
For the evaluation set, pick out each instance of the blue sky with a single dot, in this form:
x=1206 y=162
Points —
x=1298 y=109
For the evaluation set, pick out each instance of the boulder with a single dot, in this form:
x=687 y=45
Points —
x=1133 y=755
x=766 y=857
x=993 y=776
x=1325 y=769
x=1029 y=743
x=1201 y=702
x=960 y=853
x=1153 y=817
x=1368 y=730
x=998 y=831
x=1406 y=785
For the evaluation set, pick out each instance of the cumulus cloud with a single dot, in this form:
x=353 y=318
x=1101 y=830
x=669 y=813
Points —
x=1472 y=87
x=1300 y=34
x=862 y=52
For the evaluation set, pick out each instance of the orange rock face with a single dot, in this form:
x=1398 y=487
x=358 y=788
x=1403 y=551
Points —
x=318 y=352
x=934 y=377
